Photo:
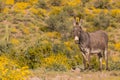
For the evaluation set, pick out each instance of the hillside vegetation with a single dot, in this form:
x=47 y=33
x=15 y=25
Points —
x=38 y=33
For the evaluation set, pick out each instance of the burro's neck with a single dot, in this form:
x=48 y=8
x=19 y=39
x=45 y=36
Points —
x=84 y=39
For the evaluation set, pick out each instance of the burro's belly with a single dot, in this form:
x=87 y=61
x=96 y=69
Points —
x=92 y=51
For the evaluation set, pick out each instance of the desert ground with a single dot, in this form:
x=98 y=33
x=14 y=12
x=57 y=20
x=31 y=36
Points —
x=75 y=75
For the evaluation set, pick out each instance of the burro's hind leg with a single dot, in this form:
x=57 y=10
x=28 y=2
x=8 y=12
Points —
x=88 y=61
x=106 y=58
x=100 y=61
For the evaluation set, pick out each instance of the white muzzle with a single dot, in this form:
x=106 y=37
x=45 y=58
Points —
x=76 y=38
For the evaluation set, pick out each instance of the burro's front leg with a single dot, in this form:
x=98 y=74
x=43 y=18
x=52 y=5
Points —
x=86 y=60
x=84 y=63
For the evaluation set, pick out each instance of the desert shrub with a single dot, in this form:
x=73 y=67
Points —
x=94 y=63
x=115 y=17
x=55 y=10
x=2 y=6
x=84 y=2
x=102 y=20
x=42 y=4
x=52 y=22
x=114 y=23
x=55 y=2
x=73 y=53
x=90 y=17
x=33 y=2
x=32 y=57
x=76 y=60
x=48 y=45
x=21 y=1
x=21 y=6
x=73 y=2
x=34 y=10
x=57 y=62
x=102 y=4
x=14 y=41
x=35 y=54
x=114 y=63
x=10 y=2
x=2 y=17
x=58 y=22
x=58 y=48
x=117 y=46
x=10 y=70
x=81 y=13
x=50 y=35
x=68 y=10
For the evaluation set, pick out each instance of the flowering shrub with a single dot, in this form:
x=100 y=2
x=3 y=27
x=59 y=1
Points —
x=26 y=31
x=42 y=12
x=57 y=62
x=9 y=1
x=115 y=12
x=114 y=62
x=96 y=11
x=55 y=2
x=117 y=46
x=6 y=10
x=13 y=30
x=74 y=2
x=9 y=70
x=21 y=6
x=33 y=10
x=15 y=41
x=53 y=34
x=33 y=1
x=55 y=10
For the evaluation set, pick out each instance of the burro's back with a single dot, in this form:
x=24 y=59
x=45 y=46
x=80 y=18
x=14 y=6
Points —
x=98 y=40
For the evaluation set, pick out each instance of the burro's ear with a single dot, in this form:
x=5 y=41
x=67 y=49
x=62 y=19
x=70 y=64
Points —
x=74 y=21
x=80 y=22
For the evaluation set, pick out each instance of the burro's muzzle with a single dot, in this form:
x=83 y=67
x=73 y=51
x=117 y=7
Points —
x=76 y=39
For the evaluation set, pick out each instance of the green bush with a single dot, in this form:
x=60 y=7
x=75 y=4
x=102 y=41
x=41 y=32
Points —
x=114 y=65
x=42 y=4
x=102 y=4
x=102 y=20
x=34 y=55
x=69 y=10
x=114 y=62
x=2 y=6
x=55 y=2
x=45 y=49
x=84 y=2
x=94 y=63
x=57 y=62
x=10 y=70
x=59 y=23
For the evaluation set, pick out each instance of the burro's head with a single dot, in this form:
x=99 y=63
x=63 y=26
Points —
x=77 y=29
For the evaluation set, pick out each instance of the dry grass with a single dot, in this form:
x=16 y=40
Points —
x=76 y=75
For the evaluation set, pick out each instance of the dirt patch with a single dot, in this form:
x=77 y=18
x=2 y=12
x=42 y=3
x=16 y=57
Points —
x=77 y=75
